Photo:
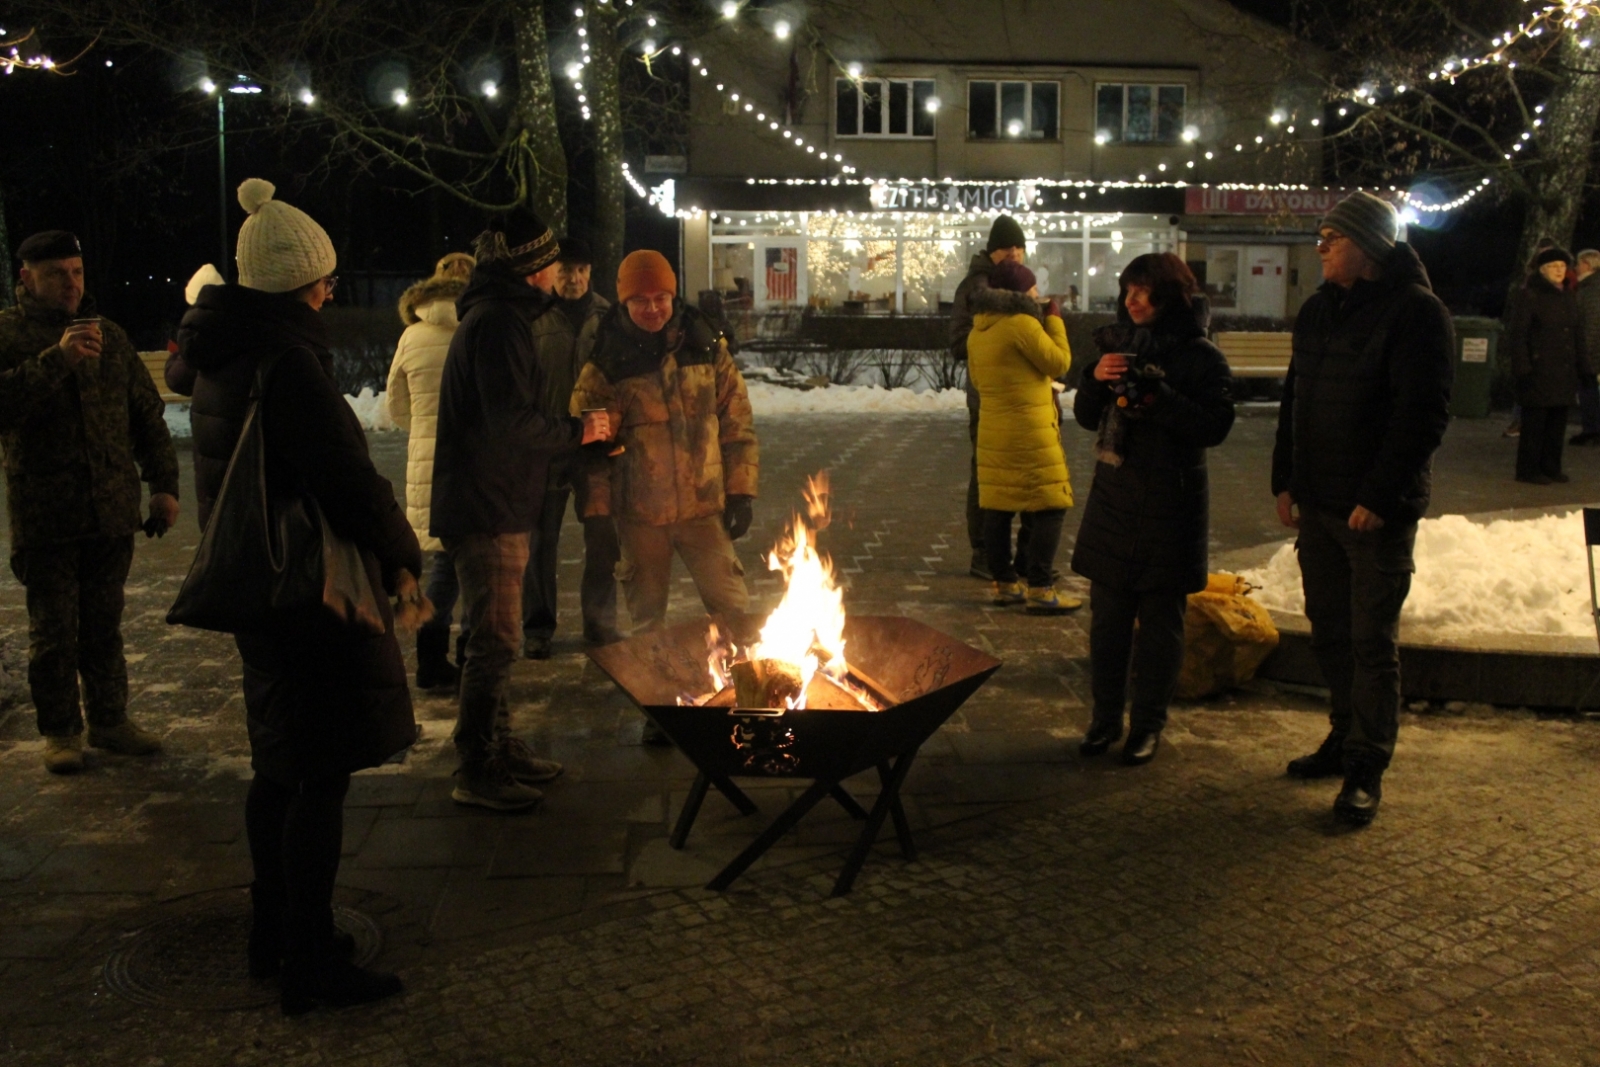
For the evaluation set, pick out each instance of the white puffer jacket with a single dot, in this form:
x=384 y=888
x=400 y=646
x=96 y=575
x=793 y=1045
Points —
x=430 y=307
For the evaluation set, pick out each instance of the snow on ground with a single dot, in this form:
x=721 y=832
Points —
x=371 y=408
x=852 y=399
x=1522 y=576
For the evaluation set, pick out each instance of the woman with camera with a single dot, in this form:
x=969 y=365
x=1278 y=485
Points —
x=1013 y=359
x=1159 y=395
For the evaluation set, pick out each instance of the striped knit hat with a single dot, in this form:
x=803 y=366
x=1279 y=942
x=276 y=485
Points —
x=525 y=244
x=1372 y=224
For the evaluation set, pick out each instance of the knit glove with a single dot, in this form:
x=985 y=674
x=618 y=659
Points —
x=737 y=514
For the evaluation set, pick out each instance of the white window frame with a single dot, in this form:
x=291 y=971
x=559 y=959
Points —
x=1027 y=105
x=861 y=106
x=1121 y=136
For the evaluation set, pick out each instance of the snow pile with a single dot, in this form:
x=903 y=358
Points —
x=372 y=409
x=1522 y=576
x=852 y=399
x=177 y=416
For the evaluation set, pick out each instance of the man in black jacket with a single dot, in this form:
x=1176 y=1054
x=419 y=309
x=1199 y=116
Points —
x=491 y=461
x=1365 y=405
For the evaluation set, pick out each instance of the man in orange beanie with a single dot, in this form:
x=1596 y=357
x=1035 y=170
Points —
x=681 y=484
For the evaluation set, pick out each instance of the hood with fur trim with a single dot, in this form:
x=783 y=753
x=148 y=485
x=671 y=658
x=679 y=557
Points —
x=414 y=299
x=987 y=301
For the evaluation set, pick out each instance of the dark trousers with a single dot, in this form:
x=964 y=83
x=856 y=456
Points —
x=1037 y=541
x=491 y=570
x=1544 y=434
x=1355 y=585
x=295 y=834
x=974 y=512
x=1154 y=660
x=444 y=589
x=1589 y=404
x=539 y=610
x=602 y=551
x=75 y=599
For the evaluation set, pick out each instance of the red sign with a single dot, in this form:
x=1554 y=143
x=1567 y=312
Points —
x=1259 y=202
x=782 y=274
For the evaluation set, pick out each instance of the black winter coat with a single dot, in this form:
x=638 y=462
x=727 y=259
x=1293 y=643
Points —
x=1146 y=525
x=321 y=699
x=1545 y=344
x=1367 y=397
x=496 y=439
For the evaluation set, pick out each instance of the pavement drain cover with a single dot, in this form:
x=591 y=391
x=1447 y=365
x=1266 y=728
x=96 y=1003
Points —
x=196 y=962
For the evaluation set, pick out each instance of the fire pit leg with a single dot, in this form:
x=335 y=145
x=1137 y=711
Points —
x=849 y=803
x=888 y=799
x=902 y=826
x=772 y=834
x=697 y=795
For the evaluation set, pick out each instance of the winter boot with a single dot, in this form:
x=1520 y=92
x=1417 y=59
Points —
x=1101 y=735
x=489 y=784
x=1006 y=594
x=63 y=754
x=524 y=766
x=434 y=669
x=265 y=947
x=126 y=739
x=1326 y=762
x=334 y=983
x=1357 y=802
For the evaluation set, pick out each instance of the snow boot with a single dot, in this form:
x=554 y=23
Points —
x=1326 y=762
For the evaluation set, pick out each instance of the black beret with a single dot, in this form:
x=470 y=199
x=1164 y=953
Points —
x=575 y=250
x=51 y=244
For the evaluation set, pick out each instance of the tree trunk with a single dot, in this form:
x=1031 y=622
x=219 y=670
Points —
x=1570 y=120
x=603 y=82
x=543 y=164
x=7 y=284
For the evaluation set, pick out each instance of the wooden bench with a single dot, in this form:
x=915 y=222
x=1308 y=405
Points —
x=156 y=364
x=1256 y=355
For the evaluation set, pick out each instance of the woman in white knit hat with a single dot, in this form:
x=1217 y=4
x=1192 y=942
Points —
x=322 y=699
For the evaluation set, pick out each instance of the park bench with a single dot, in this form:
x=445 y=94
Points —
x=156 y=364
x=1256 y=355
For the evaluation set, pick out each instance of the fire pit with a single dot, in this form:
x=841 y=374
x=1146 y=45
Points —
x=782 y=700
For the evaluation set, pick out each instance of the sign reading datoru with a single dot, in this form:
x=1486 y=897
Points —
x=1314 y=202
x=952 y=196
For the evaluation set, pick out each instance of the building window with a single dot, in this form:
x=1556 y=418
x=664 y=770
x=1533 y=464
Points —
x=1139 y=114
x=1020 y=110
x=884 y=107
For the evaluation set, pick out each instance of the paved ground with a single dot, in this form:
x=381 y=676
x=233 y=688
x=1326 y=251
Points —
x=1203 y=909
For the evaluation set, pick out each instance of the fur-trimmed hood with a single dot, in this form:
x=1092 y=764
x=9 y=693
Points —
x=988 y=301
x=428 y=292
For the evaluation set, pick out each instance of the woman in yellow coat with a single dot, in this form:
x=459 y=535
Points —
x=1014 y=356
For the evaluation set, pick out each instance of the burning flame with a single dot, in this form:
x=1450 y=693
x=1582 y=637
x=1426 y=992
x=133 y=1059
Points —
x=806 y=630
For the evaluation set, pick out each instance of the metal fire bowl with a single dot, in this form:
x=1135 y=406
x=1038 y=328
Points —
x=926 y=675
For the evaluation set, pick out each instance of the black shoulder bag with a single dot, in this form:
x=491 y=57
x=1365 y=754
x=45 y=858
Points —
x=264 y=555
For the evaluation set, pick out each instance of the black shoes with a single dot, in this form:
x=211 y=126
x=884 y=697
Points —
x=536 y=646
x=335 y=984
x=1535 y=479
x=1100 y=736
x=1326 y=762
x=1357 y=802
x=1141 y=747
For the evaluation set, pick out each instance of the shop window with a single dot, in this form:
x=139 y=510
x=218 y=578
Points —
x=884 y=107
x=1013 y=110
x=1139 y=114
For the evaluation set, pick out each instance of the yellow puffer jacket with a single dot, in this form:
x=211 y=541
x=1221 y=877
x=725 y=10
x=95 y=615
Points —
x=430 y=308
x=1011 y=359
x=687 y=430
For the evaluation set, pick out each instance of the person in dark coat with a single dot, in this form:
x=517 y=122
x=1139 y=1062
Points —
x=1365 y=405
x=1007 y=244
x=1158 y=395
x=1587 y=269
x=491 y=463
x=1545 y=345
x=322 y=700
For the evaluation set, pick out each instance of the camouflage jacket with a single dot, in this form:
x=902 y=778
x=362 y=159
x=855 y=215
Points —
x=686 y=425
x=72 y=435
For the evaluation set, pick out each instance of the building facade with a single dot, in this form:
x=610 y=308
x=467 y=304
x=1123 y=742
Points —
x=854 y=160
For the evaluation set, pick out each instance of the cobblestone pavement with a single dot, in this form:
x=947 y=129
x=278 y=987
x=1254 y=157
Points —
x=1203 y=909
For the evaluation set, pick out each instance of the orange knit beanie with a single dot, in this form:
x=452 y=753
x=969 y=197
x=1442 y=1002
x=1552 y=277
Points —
x=645 y=271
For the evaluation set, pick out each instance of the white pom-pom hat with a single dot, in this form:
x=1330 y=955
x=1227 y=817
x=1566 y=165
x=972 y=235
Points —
x=206 y=275
x=281 y=248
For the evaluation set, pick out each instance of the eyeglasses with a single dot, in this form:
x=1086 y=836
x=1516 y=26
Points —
x=1328 y=240
x=332 y=282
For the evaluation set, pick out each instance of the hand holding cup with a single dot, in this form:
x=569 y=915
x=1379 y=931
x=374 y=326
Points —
x=1111 y=368
x=82 y=340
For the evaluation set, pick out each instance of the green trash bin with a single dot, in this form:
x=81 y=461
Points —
x=1476 y=341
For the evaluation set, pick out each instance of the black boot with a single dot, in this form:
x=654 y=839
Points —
x=1326 y=762
x=1357 y=802
x=1141 y=746
x=265 y=950
x=334 y=983
x=1101 y=735
x=434 y=670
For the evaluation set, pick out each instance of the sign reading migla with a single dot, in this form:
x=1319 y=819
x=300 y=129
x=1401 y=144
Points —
x=927 y=196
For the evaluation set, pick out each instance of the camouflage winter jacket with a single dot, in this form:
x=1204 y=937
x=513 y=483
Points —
x=72 y=435
x=686 y=425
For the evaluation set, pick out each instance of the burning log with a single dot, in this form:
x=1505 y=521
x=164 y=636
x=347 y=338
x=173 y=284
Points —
x=766 y=683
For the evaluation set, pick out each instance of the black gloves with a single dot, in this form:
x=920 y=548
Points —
x=737 y=514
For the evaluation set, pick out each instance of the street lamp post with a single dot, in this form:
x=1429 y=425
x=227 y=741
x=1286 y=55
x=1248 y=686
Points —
x=242 y=86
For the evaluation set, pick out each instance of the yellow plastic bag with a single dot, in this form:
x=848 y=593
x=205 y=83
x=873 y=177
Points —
x=1226 y=638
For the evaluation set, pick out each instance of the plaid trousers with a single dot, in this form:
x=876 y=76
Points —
x=490 y=569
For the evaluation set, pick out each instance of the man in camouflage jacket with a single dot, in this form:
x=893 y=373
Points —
x=686 y=477
x=80 y=421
